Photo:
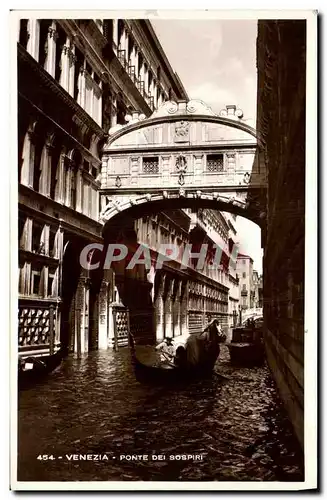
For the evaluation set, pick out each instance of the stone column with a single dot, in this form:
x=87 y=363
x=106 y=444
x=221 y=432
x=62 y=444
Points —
x=71 y=69
x=177 y=308
x=50 y=63
x=104 y=300
x=159 y=308
x=135 y=169
x=115 y=35
x=26 y=238
x=45 y=164
x=231 y=167
x=81 y=88
x=85 y=317
x=64 y=76
x=121 y=42
x=68 y=186
x=33 y=29
x=159 y=103
x=153 y=92
x=113 y=111
x=59 y=244
x=184 y=308
x=168 y=307
x=27 y=170
x=79 y=190
x=198 y=169
x=142 y=71
x=44 y=240
x=136 y=61
x=126 y=41
x=165 y=162
x=61 y=178
x=25 y=279
x=146 y=78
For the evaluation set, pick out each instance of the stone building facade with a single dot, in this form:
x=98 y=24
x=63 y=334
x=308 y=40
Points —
x=176 y=298
x=281 y=63
x=257 y=289
x=76 y=80
x=244 y=269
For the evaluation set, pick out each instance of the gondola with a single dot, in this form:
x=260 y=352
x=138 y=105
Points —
x=247 y=345
x=33 y=369
x=201 y=351
x=247 y=354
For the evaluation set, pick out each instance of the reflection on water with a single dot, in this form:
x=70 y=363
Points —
x=95 y=405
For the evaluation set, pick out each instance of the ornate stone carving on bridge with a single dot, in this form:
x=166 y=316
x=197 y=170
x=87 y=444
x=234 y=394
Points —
x=181 y=164
x=171 y=156
x=182 y=107
x=182 y=132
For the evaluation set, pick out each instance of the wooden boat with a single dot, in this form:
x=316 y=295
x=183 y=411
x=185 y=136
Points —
x=247 y=353
x=247 y=346
x=196 y=355
x=33 y=368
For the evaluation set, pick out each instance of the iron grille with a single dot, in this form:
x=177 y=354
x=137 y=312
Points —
x=151 y=165
x=215 y=163
x=36 y=325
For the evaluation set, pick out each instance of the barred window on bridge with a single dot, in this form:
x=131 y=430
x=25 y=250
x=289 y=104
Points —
x=151 y=165
x=215 y=163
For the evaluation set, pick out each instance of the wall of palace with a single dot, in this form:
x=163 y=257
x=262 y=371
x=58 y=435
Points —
x=281 y=61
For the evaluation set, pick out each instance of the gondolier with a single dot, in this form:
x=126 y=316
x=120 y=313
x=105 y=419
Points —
x=167 y=350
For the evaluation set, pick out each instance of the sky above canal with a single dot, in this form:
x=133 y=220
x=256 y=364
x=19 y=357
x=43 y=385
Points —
x=216 y=61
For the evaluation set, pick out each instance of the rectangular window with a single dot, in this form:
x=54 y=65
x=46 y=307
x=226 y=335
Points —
x=244 y=275
x=50 y=285
x=244 y=287
x=151 y=165
x=36 y=280
x=215 y=163
x=37 y=244
x=52 y=237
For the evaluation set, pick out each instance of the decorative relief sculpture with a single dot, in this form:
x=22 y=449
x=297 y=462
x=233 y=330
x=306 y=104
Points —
x=246 y=178
x=196 y=106
x=118 y=181
x=182 y=131
x=181 y=164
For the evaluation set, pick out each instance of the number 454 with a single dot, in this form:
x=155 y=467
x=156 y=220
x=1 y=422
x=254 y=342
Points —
x=45 y=457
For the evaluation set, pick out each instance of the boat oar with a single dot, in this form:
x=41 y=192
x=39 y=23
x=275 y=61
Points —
x=224 y=377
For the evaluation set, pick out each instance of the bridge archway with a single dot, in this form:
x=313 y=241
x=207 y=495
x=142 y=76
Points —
x=183 y=157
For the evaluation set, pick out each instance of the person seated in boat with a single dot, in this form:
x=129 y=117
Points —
x=180 y=359
x=167 y=350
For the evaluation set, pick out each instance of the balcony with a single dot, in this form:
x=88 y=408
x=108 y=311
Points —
x=121 y=54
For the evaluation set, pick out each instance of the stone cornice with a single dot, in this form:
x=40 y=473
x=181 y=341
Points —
x=58 y=90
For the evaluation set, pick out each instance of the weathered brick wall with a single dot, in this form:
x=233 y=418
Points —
x=281 y=124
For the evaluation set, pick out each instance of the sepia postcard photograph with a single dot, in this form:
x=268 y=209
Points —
x=163 y=229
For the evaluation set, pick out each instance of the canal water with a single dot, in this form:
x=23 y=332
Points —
x=94 y=405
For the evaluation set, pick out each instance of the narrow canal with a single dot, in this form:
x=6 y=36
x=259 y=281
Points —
x=94 y=405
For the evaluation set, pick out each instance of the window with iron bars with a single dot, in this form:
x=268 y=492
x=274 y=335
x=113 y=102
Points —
x=151 y=165
x=215 y=163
